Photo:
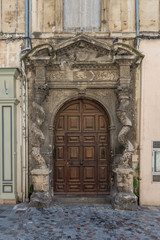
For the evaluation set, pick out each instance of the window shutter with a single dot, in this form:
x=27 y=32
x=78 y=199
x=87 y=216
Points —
x=82 y=15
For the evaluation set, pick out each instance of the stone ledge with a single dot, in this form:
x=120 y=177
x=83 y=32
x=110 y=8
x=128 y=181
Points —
x=40 y=171
x=8 y=201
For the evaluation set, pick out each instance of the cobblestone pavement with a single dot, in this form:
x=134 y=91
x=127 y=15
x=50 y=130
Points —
x=78 y=221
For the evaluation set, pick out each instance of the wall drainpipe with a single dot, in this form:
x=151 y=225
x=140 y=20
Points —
x=29 y=14
x=28 y=24
x=137 y=22
x=25 y=102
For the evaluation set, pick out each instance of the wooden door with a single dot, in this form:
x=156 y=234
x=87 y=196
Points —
x=81 y=156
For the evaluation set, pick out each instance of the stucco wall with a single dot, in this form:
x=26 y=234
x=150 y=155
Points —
x=150 y=119
x=10 y=54
x=118 y=16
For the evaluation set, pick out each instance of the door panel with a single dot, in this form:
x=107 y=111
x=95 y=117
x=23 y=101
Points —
x=81 y=164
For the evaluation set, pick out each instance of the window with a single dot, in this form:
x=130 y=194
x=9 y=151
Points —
x=82 y=15
x=156 y=161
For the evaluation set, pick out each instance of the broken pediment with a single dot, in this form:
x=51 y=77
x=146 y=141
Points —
x=40 y=52
x=124 y=51
x=83 y=50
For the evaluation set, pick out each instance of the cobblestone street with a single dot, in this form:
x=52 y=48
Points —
x=78 y=221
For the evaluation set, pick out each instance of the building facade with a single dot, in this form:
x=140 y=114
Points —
x=79 y=99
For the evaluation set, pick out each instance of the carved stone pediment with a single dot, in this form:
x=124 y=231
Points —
x=40 y=53
x=124 y=51
x=83 y=49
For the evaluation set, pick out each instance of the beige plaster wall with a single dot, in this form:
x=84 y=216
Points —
x=47 y=16
x=10 y=53
x=150 y=119
x=149 y=15
x=12 y=16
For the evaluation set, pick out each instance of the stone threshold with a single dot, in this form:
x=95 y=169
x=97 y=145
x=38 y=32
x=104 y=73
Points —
x=93 y=200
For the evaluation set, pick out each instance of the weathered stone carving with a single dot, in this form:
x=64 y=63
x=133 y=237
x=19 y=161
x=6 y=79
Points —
x=125 y=160
x=123 y=197
x=106 y=75
x=40 y=200
x=124 y=180
x=37 y=135
x=81 y=67
x=83 y=51
x=40 y=177
x=81 y=75
x=82 y=92
x=38 y=119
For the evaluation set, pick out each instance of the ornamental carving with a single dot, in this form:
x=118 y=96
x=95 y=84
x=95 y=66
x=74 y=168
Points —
x=83 y=51
x=105 y=75
x=125 y=160
x=37 y=135
x=81 y=67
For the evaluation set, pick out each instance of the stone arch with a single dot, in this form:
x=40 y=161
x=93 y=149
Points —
x=105 y=107
x=95 y=99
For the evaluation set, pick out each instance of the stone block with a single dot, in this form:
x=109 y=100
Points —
x=40 y=200
x=124 y=201
x=40 y=179
x=124 y=180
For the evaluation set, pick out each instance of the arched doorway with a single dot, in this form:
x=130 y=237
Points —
x=82 y=151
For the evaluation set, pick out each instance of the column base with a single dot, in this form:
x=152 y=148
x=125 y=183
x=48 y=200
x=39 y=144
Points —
x=124 y=201
x=40 y=179
x=40 y=200
x=41 y=197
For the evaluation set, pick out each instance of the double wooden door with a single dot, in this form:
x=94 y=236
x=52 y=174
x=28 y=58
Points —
x=81 y=154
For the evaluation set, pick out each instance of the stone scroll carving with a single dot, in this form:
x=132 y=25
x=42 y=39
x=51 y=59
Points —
x=123 y=97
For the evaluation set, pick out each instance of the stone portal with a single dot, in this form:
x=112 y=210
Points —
x=87 y=69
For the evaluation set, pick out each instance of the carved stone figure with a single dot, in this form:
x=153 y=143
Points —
x=125 y=160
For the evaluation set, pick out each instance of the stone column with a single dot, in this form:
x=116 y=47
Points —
x=40 y=176
x=123 y=197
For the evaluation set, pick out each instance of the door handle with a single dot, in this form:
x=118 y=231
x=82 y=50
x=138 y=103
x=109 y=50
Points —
x=69 y=163
x=81 y=163
x=54 y=152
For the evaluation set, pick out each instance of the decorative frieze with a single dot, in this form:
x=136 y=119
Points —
x=82 y=75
